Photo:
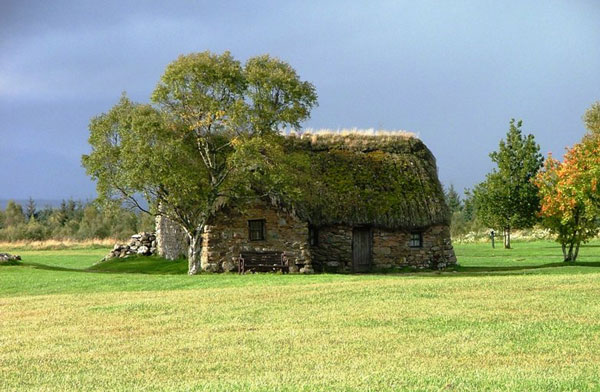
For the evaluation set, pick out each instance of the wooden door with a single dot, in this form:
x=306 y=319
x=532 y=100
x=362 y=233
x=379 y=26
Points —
x=361 y=249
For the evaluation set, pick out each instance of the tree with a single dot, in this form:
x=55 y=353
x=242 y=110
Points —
x=507 y=199
x=469 y=205
x=570 y=202
x=92 y=224
x=453 y=200
x=13 y=214
x=30 y=211
x=208 y=140
x=570 y=197
x=591 y=118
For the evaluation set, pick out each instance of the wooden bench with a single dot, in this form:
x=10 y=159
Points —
x=268 y=261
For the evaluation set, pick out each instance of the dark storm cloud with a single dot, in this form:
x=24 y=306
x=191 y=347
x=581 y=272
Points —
x=453 y=72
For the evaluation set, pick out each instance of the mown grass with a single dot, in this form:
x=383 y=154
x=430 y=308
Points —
x=515 y=319
x=153 y=265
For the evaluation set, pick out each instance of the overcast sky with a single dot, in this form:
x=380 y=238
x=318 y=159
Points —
x=454 y=72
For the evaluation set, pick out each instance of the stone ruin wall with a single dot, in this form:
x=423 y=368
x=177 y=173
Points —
x=142 y=244
x=171 y=241
x=228 y=237
x=390 y=249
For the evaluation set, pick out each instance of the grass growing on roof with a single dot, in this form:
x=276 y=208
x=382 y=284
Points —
x=385 y=180
x=514 y=320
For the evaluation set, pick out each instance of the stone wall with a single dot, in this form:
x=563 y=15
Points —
x=228 y=237
x=7 y=258
x=223 y=242
x=333 y=251
x=171 y=241
x=390 y=249
x=143 y=244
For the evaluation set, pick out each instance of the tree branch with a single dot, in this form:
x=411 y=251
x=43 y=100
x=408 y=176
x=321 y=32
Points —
x=133 y=200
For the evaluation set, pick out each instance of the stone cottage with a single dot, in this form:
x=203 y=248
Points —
x=368 y=201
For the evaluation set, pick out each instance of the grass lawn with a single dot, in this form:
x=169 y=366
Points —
x=508 y=320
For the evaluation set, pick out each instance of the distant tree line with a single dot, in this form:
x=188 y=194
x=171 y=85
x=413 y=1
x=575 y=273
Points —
x=73 y=220
x=462 y=209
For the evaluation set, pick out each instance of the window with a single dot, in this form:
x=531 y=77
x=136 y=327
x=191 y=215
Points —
x=313 y=236
x=416 y=240
x=256 y=229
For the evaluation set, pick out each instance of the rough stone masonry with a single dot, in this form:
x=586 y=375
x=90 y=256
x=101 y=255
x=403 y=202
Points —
x=143 y=244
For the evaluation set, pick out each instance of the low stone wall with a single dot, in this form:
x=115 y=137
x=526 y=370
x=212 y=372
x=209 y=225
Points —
x=390 y=249
x=143 y=244
x=228 y=237
x=8 y=258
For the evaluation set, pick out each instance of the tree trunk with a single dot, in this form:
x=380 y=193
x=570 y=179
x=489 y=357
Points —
x=564 y=250
x=576 y=239
x=194 y=249
x=570 y=253
x=573 y=251
x=576 y=251
x=507 y=237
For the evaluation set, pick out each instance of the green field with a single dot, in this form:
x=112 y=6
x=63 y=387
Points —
x=508 y=320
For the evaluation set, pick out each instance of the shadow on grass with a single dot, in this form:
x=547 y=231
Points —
x=483 y=269
x=10 y=263
x=476 y=270
x=47 y=267
x=133 y=265
x=159 y=266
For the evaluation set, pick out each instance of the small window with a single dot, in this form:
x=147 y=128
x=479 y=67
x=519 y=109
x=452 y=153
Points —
x=416 y=240
x=256 y=229
x=313 y=236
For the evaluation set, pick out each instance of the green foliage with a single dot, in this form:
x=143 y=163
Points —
x=30 y=209
x=13 y=214
x=508 y=199
x=569 y=191
x=463 y=219
x=453 y=199
x=277 y=96
x=74 y=221
x=591 y=118
x=35 y=230
x=469 y=205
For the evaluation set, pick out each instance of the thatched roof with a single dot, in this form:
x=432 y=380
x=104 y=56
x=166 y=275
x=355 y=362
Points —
x=384 y=179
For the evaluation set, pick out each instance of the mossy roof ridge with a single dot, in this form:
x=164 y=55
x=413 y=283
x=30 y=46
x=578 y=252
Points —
x=355 y=140
x=384 y=180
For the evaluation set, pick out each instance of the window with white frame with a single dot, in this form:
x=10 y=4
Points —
x=416 y=239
